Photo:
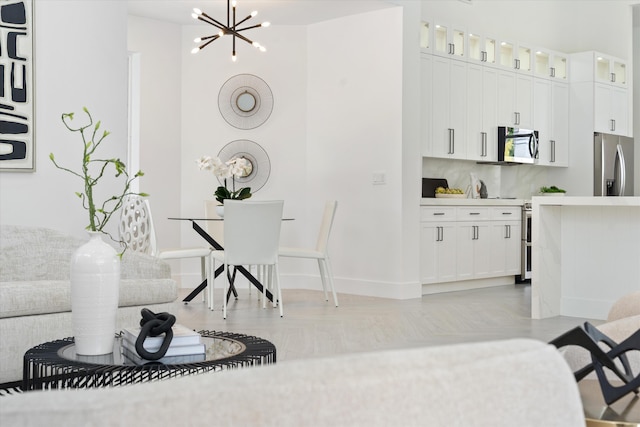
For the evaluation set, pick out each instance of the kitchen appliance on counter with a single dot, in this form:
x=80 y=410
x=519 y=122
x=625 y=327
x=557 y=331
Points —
x=429 y=186
x=517 y=145
x=613 y=165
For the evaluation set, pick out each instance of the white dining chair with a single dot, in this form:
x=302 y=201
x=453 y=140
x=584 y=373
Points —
x=252 y=237
x=320 y=252
x=137 y=231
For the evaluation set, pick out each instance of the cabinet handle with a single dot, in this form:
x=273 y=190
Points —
x=553 y=72
x=613 y=77
x=517 y=64
x=507 y=213
x=474 y=213
x=613 y=124
x=452 y=49
x=483 y=147
x=553 y=151
x=452 y=144
x=483 y=57
x=438 y=213
x=517 y=118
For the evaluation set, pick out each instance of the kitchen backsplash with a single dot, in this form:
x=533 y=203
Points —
x=519 y=181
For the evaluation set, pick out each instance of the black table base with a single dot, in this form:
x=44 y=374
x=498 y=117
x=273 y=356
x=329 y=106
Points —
x=45 y=368
x=220 y=269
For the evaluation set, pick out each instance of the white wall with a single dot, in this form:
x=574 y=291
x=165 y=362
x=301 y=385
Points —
x=159 y=45
x=354 y=130
x=80 y=60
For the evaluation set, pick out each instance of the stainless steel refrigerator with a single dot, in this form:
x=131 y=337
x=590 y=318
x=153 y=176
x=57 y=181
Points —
x=613 y=165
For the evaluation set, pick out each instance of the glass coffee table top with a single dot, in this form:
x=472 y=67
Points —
x=55 y=364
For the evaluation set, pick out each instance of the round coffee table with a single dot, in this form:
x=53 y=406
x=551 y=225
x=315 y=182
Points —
x=56 y=365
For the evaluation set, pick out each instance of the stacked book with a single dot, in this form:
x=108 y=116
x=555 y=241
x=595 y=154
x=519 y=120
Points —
x=185 y=347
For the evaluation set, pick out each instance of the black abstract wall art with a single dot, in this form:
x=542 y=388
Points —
x=17 y=143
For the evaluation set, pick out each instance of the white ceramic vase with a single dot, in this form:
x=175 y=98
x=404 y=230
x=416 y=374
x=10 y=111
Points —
x=95 y=286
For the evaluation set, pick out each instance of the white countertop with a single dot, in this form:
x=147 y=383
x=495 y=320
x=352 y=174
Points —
x=585 y=201
x=432 y=201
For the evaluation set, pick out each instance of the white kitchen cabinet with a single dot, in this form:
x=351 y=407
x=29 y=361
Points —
x=611 y=113
x=599 y=68
x=473 y=248
x=505 y=241
x=609 y=69
x=481 y=49
x=426 y=37
x=437 y=245
x=449 y=41
x=482 y=110
x=473 y=243
x=515 y=99
x=426 y=104
x=551 y=65
x=551 y=120
x=515 y=56
x=448 y=108
x=460 y=243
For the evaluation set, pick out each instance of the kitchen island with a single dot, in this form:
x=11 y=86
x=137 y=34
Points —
x=585 y=254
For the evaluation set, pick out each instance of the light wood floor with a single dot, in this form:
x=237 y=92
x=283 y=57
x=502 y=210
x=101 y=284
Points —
x=313 y=327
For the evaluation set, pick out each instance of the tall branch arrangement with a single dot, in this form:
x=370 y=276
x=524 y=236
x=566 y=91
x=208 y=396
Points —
x=94 y=169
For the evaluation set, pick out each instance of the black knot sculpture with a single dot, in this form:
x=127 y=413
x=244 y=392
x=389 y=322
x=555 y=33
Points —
x=153 y=325
x=590 y=339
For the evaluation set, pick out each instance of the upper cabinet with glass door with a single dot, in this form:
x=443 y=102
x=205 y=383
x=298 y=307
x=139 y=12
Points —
x=610 y=70
x=600 y=68
x=550 y=65
x=481 y=49
x=449 y=41
x=516 y=56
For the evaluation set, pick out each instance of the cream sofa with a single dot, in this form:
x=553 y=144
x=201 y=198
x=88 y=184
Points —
x=521 y=382
x=35 y=302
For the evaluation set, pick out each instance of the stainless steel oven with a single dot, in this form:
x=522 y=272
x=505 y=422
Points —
x=525 y=253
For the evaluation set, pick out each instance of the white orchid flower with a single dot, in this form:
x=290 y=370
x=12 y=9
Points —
x=240 y=167
x=205 y=163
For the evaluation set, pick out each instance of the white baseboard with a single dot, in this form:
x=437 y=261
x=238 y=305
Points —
x=346 y=286
x=466 y=285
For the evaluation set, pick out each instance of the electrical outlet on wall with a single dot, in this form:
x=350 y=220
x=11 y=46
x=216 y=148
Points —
x=379 y=178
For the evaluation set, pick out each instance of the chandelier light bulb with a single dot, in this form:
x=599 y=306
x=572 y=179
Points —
x=263 y=49
x=266 y=24
x=194 y=16
x=233 y=57
x=195 y=50
x=197 y=11
x=254 y=13
x=233 y=3
x=197 y=40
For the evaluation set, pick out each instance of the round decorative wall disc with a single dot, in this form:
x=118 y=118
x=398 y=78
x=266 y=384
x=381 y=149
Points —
x=245 y=101
x=255 y=155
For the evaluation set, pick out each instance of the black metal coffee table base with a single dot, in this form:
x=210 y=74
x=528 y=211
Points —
x=48 y=366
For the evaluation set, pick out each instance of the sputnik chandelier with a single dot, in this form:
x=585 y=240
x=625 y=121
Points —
x=228 y=29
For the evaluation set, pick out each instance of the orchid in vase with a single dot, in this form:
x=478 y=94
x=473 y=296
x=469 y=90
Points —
x=238 y=167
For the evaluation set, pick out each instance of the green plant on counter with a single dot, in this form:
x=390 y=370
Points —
x=552 y=189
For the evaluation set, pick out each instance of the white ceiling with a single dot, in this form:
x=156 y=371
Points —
x=278 y=12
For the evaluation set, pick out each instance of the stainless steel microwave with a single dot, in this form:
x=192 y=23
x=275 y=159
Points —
x=517 y=145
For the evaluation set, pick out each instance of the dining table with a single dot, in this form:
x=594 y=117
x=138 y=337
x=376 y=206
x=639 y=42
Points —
x=217 y=246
